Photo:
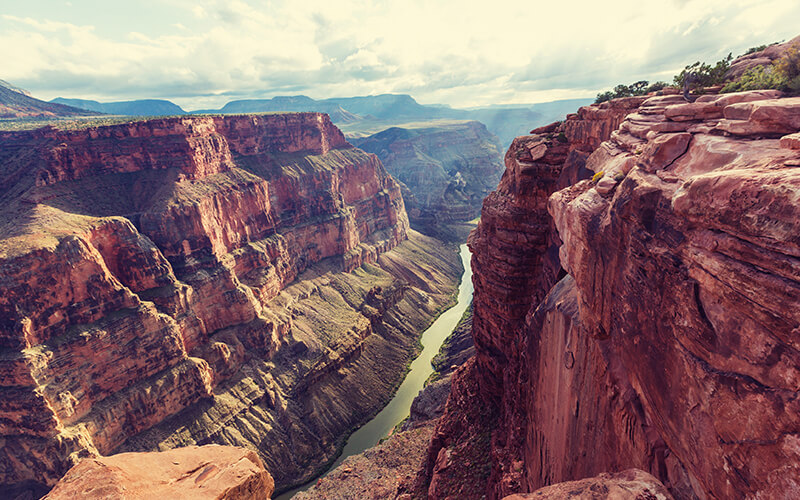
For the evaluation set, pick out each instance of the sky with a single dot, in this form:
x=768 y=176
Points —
x=201 y=54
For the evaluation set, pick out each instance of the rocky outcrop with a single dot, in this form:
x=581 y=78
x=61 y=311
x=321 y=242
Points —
x=763 y=57
x=667 y=345
x=200 y=280
x=445 y=171
x=632 y=484
x=384 y=471
x=209 y=472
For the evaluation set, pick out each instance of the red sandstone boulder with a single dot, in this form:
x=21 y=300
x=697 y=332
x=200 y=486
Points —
x=210 y=472
x=632 y=484
x=764 y=117
x=791 y=141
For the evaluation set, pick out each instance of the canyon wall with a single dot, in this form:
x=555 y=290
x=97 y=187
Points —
x=644 y=318
x=234 y=280
x=444 y=169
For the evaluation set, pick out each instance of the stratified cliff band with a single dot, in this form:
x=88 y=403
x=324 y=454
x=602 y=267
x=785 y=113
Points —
x=645 y=318
x=232 y=280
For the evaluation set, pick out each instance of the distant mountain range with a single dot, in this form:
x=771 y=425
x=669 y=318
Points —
x=142 y=107
x=16 y=103
x=357 y=116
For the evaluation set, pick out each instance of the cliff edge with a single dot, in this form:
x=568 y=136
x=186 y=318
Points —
x=641 y=318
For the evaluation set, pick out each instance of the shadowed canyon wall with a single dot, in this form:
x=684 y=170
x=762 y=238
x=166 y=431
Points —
x=642 y=318
x=241 y=280
x=445 y=170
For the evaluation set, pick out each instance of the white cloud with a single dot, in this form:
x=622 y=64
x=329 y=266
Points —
x=456 y=52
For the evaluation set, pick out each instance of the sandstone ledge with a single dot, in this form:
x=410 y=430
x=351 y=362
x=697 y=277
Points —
x=632 y=484
x=209 y=472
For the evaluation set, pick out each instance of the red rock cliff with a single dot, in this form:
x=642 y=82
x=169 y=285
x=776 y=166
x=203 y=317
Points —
x=144 y=285
x=669 y=345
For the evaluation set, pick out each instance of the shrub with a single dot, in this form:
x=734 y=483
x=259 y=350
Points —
x=753 y=50
x=599 y=175
x=705 y=75
x=783 y=74
x=757 y=78
x=789 y=69
x=654 y=87
x=641 y=87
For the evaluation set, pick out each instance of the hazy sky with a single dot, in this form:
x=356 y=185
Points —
x=203 y=53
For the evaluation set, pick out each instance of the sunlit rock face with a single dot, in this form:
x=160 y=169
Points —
x=643 y=318
x=202 y=280
x=209 y=472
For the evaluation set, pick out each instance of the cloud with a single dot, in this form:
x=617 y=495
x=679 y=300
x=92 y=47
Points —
x=454 y=52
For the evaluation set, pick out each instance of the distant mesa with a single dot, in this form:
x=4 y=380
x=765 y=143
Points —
x=139 y=107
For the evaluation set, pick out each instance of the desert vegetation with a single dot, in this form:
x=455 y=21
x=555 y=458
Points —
x=642 y=87
x=782 y=74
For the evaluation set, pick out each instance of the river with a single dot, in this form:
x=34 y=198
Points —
x=369 y=434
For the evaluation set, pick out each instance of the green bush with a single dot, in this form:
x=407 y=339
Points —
x=789 y=68
x=756 y=78
x=705 y=75
x=783 y=74
x=642 y=87
x=753 y=50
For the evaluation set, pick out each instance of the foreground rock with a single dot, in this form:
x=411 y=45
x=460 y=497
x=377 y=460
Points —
x=445 y=171
x=632 y=484
x=240 y=280
x=204 y=472
x=381 y=472
x=644 y=319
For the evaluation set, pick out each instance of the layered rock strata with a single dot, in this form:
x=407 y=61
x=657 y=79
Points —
x=668 y=344
x=199 y=280
x=444 y=170
x=209 y=472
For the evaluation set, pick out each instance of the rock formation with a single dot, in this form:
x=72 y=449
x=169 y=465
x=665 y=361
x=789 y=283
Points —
x=763 y=57
x=445 y=170
x=632 y=484
x=243 y=280
x=209 y=472
x=642 y=318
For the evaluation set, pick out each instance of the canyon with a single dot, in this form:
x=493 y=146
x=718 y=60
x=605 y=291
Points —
x=238 y=280
x=253 y=281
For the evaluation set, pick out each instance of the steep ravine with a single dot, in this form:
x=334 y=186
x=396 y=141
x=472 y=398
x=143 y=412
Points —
x=644 y=319
x=245 y=280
